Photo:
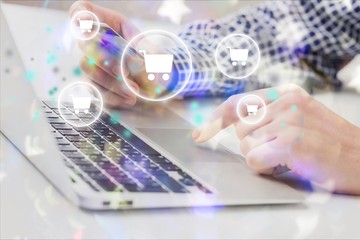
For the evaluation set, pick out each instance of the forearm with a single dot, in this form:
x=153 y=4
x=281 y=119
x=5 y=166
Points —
x=348 y=167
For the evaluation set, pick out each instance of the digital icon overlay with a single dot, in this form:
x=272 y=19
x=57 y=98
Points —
x=251 y=109
x=84 y=25
x=159 y=62
x=80 y=104
x=237 y=56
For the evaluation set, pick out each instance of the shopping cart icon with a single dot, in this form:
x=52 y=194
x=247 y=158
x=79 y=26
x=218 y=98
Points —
x=238 y=55
x=158 y=63
x=252 y=109
x=85 y=25
x=81 y=104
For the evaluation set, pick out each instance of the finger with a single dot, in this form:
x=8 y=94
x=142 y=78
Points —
x=98 y=78
x=224 y=116
x=257 y=138
x=243 y=129
x=100 y=52
x=101 y=77
x=113 y=100
x=266 y=157
x=221 y=118
x=251 y=135
x=274 y=111
x=115 y=20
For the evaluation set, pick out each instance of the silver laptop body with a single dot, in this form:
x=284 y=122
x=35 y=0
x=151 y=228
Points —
x=222 y=178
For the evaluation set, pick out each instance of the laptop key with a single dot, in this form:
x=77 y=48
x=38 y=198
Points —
x=50 y=114
x=152 y=167
x=73 y=155
x=124 y=179
x=81 y=161
x=138 y=174
x=81 y=143
x=144 y=163
x=158 y=158
x=188 y=182
x=96 y=157
x=172 y=184
x=106 y=184
x=103 y=131
x=75 y=139
x=157 y=172
x=88 y=149
x=97 y=176
x=153 y=187
x=101 y=160
x=170 y=167
x=100 y=145
x=107 y=165
x=94 y=138
x=69 y=132
x=131 y=151
x=61 y=126
x=110 y=136
x=68 y=104
x=187 y=179
x=62 y=141
x=63 y=111
x=83 y=129
x=55 y=120
x=89 y=169
x=113 y=153
x=116 y=173
x=67 y=148
x=99 y=125
x=72 y=118
x=132 y=187
x=86 y=134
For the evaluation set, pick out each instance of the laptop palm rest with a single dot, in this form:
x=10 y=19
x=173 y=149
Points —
x=178 y=142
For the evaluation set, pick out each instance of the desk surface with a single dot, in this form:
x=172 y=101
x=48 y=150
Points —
x=32 y=208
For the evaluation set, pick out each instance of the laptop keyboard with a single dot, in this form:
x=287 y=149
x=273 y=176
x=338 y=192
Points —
x=109 y=157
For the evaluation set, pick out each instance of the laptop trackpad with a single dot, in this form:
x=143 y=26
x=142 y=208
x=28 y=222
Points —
x=179 y=143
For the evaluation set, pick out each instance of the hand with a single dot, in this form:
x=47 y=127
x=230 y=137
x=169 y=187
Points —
x=104 y=76
x=297 y=132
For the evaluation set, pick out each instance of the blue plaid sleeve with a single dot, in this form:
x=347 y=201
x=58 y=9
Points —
x=300 y=41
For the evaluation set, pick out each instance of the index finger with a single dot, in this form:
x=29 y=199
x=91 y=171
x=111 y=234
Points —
x=224 y=116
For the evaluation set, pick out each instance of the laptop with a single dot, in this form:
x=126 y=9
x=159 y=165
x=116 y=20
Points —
x=145 y=160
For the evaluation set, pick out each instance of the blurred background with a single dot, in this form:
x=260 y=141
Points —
x=177 y=11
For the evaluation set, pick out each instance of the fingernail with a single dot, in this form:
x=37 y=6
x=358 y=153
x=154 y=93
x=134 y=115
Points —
x=196 y=134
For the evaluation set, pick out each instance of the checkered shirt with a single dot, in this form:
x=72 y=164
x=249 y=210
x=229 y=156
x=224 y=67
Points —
x=300 y=41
